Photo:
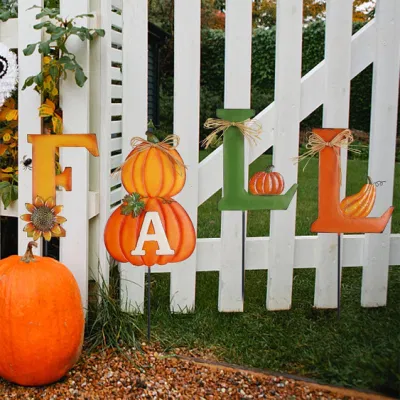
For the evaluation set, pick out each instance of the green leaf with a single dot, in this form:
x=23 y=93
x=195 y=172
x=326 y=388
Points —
x=39 y=79
x=5 y=16
x=6 y=197
x=28 y=82
x=4 y=184
x=132 y=205
x=84 y=15
x=100 y=32
x=44 y=48
x=41 y=25
x=30 y=49
x=14 y=193
x=53 y=72
x=80 y=77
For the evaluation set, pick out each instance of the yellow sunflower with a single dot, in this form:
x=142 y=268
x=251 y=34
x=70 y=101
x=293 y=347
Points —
x=44 y=219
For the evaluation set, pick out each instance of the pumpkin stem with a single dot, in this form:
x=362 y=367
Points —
x=370 y=180
x=28 y=256
x=269 y=168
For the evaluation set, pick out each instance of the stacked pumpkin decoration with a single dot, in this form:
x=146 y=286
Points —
x=266 y=182
x=152 y=173
x=42 y=320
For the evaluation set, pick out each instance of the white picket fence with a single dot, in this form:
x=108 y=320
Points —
x=95 y=193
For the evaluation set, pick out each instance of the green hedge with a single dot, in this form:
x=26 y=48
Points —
x=263 y=77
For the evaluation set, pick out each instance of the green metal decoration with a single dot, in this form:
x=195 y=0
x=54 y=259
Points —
x=235 y=197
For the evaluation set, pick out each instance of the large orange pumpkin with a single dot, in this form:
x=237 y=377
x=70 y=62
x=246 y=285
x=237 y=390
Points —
x=266 y=183
x=122 y=233
x=360 y=204
x=41 y=319
x=152 y=172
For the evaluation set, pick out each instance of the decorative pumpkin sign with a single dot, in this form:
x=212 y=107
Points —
x=360 y=204
x=348 y=216
x=150 y=227
x=266 y=182
x=153 y=169
x=235 y=126
x=149 y=231
x=42 y=320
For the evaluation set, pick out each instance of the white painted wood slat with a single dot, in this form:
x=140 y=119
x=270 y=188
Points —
x=116 y=55
x=336 y=115
x=286 y=145
x=9 y=33
x=135 y=65
x=116 y=74
x=28 y=103
x=238 y=35
x=186 y=126
x=116 y=19
x=385 y=92
x=116 y=127
x=75 y=105
x=116 y=144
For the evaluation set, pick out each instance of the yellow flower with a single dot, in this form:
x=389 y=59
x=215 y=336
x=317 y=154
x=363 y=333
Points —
x=48 y=109
x=46 y=60
x=8 y=111
x=6 y=137
x=43 y=219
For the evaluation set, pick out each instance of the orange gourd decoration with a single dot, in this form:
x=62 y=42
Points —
x=153 y=172
x=123 y=229
x=266 y=182
x=42 y=320
x=360 y=204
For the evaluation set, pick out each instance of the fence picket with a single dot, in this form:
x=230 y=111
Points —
x=385 y=92
x=74 y=247
x=134 y=120
x=336 y=115
x=186 y=126
x=28 y=103
x=286 y=143
x=238 y=34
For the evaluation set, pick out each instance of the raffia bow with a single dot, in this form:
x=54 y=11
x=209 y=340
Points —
x=250 y=129
x=171 y=142
x=316 y=144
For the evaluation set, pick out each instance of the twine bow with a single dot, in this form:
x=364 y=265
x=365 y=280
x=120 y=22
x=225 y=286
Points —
x=316 y=144
x=171 y=142
x=250 y=129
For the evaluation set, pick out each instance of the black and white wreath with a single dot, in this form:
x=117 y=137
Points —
x=8 y=73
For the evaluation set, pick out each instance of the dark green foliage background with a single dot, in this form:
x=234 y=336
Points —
x=263 y=77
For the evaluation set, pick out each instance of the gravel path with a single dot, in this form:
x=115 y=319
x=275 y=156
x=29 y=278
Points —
x=107 y=375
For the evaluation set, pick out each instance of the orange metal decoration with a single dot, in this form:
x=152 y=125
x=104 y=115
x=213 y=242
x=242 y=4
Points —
x=331 y=218
x=122 y=234
x=266 y=183
x=153 y=168
x=43 y=158
x=360 y=204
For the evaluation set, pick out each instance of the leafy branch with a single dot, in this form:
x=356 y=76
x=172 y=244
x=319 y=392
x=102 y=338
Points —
x=62 y=60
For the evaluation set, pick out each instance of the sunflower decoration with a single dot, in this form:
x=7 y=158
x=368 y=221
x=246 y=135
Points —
x=43 y=219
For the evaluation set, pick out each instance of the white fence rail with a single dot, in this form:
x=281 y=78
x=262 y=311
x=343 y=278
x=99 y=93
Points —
x=114 y=107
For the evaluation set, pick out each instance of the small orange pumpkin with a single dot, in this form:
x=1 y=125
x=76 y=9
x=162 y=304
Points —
x=266 y=182
x=42 y=320
x=122 y=231
x=360 y=205
x=152 y=172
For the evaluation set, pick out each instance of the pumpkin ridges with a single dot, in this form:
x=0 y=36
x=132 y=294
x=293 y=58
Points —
x=188 y=242
x=129 y=242
x=168 y=177
x=112 y=235
x=180 y=175
x=126 y=177
x=153 y=182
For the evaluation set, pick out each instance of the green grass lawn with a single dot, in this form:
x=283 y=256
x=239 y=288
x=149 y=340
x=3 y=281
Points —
x=361 y=350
